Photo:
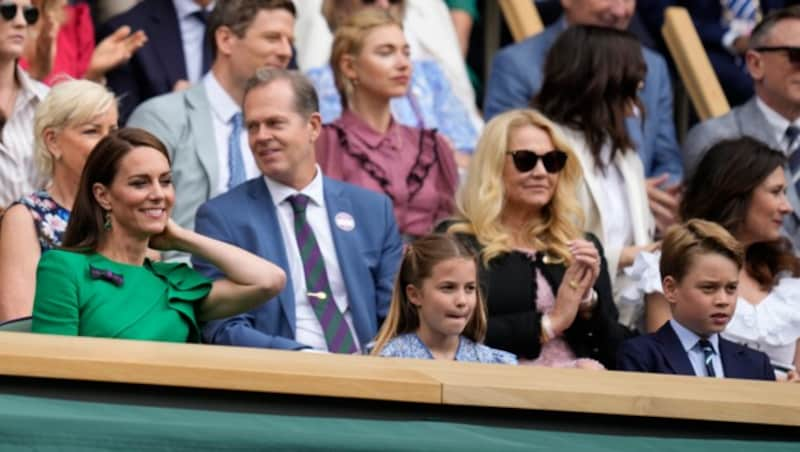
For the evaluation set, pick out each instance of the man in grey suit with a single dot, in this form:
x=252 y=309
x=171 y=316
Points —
x=202 y=126
x=773 y=114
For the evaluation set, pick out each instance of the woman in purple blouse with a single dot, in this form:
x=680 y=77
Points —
x=415 y=167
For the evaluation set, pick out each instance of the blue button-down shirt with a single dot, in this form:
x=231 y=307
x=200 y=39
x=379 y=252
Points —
x=689 y=341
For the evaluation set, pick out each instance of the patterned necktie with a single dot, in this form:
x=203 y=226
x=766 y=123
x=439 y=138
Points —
x=235 y=163
x=743 y=10
x=708 y=356
x=337 y=332
x=792 y=132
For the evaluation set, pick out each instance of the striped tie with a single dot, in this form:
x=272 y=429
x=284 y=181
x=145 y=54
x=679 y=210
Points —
x=743 y=10
x=792 y=133
x=337 y=332
x=708 y=356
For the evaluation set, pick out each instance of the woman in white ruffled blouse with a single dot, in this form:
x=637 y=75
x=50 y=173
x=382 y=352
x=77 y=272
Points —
x=741 y=185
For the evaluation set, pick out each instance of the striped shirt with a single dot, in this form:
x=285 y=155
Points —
x=18 y=173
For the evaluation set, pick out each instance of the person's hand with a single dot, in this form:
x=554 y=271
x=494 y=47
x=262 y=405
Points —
x=792 y=377
x=43 y=52
x=181 y=85
x=114 y=50
x=663 y=202
x=741 y=44
x=171 y=238
x=576 y=284
x=629 y=253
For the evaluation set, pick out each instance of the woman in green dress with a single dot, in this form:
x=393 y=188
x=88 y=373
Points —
x=101 y=283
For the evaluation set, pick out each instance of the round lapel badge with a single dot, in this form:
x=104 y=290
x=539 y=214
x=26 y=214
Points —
x=344 y=221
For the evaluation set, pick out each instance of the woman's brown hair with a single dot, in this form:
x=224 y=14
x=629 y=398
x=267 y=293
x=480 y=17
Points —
x=591 y=80
x=85 y=227
x=721 y=190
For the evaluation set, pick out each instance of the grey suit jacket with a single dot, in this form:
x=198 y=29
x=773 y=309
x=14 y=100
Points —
x=182 y=120
x=744 y=120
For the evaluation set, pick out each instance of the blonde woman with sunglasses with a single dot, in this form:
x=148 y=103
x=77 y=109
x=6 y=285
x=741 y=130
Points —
x=546 y=283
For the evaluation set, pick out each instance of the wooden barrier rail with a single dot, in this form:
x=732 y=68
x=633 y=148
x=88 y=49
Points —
x=694 y=67
x=416 y=381
x=522 y=18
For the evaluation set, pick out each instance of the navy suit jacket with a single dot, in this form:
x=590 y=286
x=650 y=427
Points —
x=369 y=256
x=662 y=352
x=153 y=69
x=516 y=77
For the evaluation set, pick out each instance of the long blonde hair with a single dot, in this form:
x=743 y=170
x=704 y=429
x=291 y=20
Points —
x=349 y=40
x=419 y=259
x=481 y=199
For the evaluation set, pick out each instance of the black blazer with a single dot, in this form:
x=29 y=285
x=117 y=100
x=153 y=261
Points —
x=509 y=288
x=662 y=352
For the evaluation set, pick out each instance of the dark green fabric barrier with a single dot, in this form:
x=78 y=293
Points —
x=34 y=423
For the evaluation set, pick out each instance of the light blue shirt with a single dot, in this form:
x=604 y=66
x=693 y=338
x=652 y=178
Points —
x=193 y=31
x=689 y=341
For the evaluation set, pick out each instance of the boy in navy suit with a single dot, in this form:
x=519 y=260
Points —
x=700 y=264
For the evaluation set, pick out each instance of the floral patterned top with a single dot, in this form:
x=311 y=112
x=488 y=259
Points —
x=49 y=218
x=410 y=346
x=429 y=104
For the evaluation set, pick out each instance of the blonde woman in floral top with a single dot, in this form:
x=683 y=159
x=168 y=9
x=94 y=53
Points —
x=68 y=123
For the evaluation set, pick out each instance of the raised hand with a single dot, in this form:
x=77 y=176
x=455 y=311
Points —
x=114 y=50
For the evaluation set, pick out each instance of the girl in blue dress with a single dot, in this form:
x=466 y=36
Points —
x=437 y=311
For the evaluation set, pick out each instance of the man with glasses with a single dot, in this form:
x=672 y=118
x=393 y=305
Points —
x=773 y=114
x=19 y=96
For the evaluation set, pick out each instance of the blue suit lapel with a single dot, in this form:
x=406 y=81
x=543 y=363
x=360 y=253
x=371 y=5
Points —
x=166 y=32
x=730 y=360
x=272 y=247
x=674 y=354
x=353 y=270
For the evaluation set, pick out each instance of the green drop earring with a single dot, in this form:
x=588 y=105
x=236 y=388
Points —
x=107 y=222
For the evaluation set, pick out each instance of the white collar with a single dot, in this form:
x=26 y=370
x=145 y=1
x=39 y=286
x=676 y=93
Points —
x=689 y=338
x=313 y=190
x=774 y=119
x=222 y=104
x=185 y=8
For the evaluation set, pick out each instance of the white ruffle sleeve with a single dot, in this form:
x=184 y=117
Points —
x=645 y=278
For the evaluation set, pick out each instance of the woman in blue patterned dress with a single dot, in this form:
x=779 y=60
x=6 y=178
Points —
x=437 y=311
x=68 y=123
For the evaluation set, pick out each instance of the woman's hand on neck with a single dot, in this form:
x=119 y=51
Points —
x=375 y=112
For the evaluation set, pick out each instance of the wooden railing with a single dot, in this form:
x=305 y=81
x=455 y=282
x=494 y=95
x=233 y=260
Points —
x=416 y=381
x=693 y=65
x=522 y=18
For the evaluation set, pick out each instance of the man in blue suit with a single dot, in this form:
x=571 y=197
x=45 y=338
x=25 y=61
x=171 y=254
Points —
x=176 y=50
x=338 y=243
x=516 y=77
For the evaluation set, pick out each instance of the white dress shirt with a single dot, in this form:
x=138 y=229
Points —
x=618 y=226
x=309 y=331
x=223 y=108
x=689 y=341
x=18 y=173
x=193 y=32
x=779 y=124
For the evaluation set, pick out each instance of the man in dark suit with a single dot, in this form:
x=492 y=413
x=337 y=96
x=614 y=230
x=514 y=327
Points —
x=176 y=51
x=773 y=114
x=338 y=243
x=700 y=264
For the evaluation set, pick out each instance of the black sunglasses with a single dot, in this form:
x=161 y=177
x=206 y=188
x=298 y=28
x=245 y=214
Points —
x=525 y=160
x=29 y=13
x=792 y=52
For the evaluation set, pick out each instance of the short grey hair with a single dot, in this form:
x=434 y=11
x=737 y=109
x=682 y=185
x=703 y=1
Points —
x=67 y=103
x=762 y=31
x=306 y=101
